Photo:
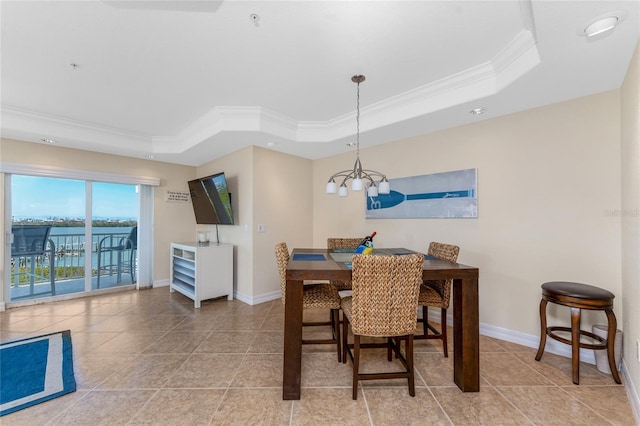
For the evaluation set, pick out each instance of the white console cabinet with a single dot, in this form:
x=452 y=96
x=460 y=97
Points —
x=202 y=272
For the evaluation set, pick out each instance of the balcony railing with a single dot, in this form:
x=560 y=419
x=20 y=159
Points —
x=66 y=253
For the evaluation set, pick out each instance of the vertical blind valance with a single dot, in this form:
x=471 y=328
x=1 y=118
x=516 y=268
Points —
x=63 y=173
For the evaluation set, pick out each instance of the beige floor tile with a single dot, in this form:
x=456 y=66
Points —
x=323 y=369
x=434 y=369
x=227 y=342
x=111 y=407
x=180 y=407
x=107 y=309
x=10 y=336
x=487 y=344
x=513 y=347
x=502 y=369
x=231 y=372
x=253 y=407
x=610 y=402
x=430 y=345
x=85 y=342
x=486 y=407
x=239 y=322
x=267 y=342
x=144 y=371
x=93 y=369
x=41 y=414
x=159 y=322
x=273 y=322
x=36 y=323
x=329 y=407
x=205 y=371
x=128 y=343
x=118 y=323
x=393 y=406
x=558 y=369
x=261 y=309
x=259 y=371
x=200 y=322
x=177 y=342
x=550 y=406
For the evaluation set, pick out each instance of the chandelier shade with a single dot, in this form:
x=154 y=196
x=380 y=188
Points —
x=360 y=178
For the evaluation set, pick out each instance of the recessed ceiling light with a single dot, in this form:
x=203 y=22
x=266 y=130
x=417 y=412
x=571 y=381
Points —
x=478 y=111
x=271 y=144
x=149 y=156
x=51 y=141
x=601 y=26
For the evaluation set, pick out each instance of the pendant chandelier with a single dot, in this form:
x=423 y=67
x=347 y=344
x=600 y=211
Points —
x=359 y=177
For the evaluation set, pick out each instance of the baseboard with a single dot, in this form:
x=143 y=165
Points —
x=632 y=392
x=524 y=339
x=161 y=283
x=250 y=300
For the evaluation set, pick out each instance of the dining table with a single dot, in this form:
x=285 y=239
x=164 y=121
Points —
x=314 y=264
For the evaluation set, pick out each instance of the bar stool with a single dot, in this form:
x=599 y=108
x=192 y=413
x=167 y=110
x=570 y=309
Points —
x=578 y=296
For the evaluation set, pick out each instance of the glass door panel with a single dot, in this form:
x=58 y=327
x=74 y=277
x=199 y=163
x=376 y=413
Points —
x=114 y=234
x=47 y=237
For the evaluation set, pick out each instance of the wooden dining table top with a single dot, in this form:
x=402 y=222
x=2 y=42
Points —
x=301 y=262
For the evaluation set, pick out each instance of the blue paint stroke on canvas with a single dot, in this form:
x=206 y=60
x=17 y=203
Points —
x=438 y=195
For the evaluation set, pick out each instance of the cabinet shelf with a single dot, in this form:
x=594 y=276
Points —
x=202 y=272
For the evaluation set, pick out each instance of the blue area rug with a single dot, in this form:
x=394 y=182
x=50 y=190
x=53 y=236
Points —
x=35 y=370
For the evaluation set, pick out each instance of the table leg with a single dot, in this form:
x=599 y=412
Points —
x=292 y=341
x=466 y=335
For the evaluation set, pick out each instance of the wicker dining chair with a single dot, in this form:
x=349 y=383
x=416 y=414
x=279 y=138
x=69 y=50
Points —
x=343 y=244
x=437 y=293
x=313 y=296
x=384 y=304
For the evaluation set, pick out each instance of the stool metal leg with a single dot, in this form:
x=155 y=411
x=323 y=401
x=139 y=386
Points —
x=543 y=328
x=575 y=344
x=611 y=337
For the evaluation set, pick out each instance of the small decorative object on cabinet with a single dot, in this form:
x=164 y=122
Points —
x=202 y=272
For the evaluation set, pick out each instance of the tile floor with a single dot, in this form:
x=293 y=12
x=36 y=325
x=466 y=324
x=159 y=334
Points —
x=149 y=357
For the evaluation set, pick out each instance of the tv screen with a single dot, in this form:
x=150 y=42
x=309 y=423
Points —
x=211 y=200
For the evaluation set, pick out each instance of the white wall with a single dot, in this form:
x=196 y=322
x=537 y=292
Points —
x=630 y=215
x=547 y=179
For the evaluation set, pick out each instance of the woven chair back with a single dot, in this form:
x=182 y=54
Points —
x=343 y=243
x=445 y=252
x=385 y=294
x=282 y=259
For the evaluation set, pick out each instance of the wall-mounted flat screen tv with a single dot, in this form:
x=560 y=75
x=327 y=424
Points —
x=211 y=200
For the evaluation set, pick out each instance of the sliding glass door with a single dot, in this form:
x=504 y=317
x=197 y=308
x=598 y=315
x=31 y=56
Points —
x=55 y=250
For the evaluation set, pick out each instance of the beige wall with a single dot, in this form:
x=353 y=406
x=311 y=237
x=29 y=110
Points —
x=264 y=184
x=238 y=169
x=547 y=179
x=630 y=212
x=172 y=221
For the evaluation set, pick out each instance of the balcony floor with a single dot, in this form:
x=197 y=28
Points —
x=68 y=286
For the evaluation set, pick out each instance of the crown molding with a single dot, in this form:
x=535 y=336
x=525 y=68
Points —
x=517 y=58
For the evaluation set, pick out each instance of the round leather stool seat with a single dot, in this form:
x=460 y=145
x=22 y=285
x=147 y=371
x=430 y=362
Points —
x=583 y=294
x=578 y=296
